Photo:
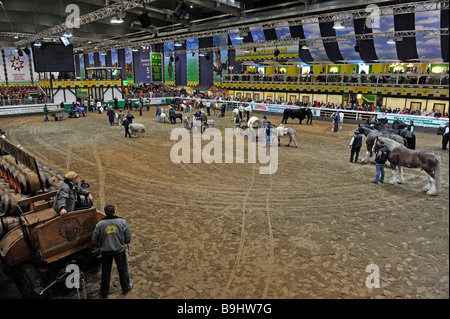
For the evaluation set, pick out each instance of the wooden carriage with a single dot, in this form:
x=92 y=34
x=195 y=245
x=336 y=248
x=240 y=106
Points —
x=40 y=238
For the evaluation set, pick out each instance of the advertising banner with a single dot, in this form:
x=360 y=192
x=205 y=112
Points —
x=193 y=78
x=169 y=67
x=145 y=66
x=426 y=121
x=129 y=65
x=156 y=67
x=287 y=51
x=17 y=67
x=220 y=66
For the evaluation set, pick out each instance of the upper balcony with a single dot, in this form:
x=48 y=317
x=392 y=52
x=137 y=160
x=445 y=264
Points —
x=401 y=80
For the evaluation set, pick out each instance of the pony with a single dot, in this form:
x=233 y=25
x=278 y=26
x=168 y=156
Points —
x=401 y=156
x=188 y=123
x=138 y=128
x=283 y=131
x=371 y=135
x=179 y=116
x=163 y=117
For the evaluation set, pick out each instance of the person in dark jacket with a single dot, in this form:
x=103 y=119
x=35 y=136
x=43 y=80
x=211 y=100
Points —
x=46 y=113
x=336 y=119
x=111 y=116
x=381 y=157
x=111 y=235
x=355 y=145
x=268 y=131
x=68 y=195
x=126 y=126
x=172 y=115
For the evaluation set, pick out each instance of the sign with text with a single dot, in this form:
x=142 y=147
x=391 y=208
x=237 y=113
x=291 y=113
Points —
x=156 y=67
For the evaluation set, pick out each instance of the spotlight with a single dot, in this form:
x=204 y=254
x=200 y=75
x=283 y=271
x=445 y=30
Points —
x=390 y=41
x=171 y=59
x=276 y=53
x=207 y=57
x=64 y=41
x=20 y=52
x=338 y=25
x=27 y=51
x=193 y=54
x=116 y=20
x=177 y=59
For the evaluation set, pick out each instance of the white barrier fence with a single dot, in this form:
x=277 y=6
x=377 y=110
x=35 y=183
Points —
x=424 y=121
x=26 y=109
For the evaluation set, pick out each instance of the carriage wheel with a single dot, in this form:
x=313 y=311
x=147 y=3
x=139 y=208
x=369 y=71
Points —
x=27 y=279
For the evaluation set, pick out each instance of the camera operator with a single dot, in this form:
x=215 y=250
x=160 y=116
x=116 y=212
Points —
x=68 y=195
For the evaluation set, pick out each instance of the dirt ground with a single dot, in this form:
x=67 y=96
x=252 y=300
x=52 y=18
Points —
x=210 y=231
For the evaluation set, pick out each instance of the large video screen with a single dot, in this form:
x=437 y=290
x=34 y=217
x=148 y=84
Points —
x=52 y=57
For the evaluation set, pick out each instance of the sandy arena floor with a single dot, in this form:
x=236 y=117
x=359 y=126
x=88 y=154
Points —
x=207 y=231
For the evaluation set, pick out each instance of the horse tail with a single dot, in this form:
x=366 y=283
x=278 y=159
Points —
x=437 y=173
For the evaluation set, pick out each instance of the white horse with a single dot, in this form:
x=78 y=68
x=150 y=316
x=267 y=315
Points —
x=163 y=117
x=283 y=131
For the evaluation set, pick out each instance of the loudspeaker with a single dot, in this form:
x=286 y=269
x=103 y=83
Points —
x=20 y=52
x=180 y=11
x=144 y=19
x=356 y=48
x=27 y=51
x=207 y=57
x=177 y=59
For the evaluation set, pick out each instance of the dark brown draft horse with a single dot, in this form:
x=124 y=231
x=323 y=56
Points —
x=401 y=156
x=371 y=135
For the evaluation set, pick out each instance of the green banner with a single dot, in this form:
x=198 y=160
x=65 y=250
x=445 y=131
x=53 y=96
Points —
x=156 y=67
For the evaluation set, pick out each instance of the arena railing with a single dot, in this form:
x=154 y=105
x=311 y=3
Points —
x=389 y=79
x=356 y=115
x=24 y=101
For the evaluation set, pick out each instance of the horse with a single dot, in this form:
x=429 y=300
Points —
x=401 y=156
x=179 y=116
x=399 y=124
x=283 y=131
x=371 y=135
x=409 y=136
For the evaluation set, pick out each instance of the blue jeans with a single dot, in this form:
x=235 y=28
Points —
x=268 y=140
x=380 y=170
x=158 y=117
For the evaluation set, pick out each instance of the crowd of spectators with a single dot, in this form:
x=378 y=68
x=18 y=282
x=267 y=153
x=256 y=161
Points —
x=349 y=106
x=145 y=88
x=398 y=77
x=20 y=95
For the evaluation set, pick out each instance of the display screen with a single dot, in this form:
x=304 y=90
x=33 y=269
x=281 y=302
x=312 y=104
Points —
x=53 y=57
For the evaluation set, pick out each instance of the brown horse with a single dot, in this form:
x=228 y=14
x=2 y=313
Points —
x=371 y=135
x=401 y=156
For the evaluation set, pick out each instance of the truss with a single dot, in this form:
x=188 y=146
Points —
x=328 y=17
x=294 y=41
x=99 y=14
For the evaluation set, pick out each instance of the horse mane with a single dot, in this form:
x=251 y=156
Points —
x=390 y=143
